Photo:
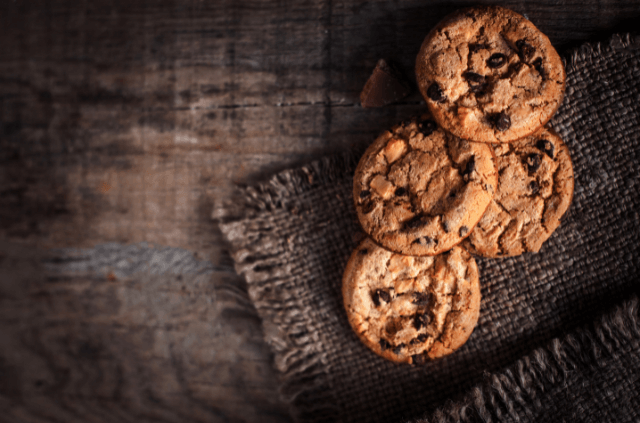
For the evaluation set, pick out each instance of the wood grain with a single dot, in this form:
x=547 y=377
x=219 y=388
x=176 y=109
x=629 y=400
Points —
x=125 y=122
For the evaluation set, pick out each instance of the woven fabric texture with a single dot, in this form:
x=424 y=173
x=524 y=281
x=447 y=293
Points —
x=291 y=237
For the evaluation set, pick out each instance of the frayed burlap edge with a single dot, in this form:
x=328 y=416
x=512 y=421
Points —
x=518 y=392
x=305 y=385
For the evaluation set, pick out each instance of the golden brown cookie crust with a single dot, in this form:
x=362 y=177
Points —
x=488 y=74
x=418 y=190
x=535 y=189
x=411 y=309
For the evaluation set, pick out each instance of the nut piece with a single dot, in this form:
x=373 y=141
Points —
x=394 y=149
x=465 y=114
x=398 y=263
x=383 y=187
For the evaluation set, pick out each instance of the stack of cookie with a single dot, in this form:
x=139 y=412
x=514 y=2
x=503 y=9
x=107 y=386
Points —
x=478 y=174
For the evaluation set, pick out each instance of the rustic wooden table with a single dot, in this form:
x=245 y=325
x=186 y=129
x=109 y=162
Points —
x=123 y=122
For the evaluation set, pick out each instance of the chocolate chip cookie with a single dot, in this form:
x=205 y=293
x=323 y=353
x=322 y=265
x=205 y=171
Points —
x=418 y=190
x=488 y=74
x=535 y=188
x=411 y=309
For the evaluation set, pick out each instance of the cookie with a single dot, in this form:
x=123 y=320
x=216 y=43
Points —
x=411 y=309
x=535 y=189
x=418 y=190
x=488 y=74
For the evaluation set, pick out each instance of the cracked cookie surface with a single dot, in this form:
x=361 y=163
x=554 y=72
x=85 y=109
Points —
x=418 y=190
x=535 y=188
x=411 y=309
x=488 y=74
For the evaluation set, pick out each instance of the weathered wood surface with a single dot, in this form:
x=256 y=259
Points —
x=124 y=122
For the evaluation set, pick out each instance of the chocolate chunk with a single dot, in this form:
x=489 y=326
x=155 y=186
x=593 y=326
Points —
x=421 y=299
x=537 y=64
x=434 y=92
x=400 y=192
x=533 y=162
x=386 y=85
x=534 y=187
x=421 y=320
x=384 y=344
x=425 y=240
x=496 y=60
x=398 y=348
x=419 y=359
x=525 y=50
x=363 y=252
x=477 y=47
x=463 y=230
x=470 y=167
x=415 y=222
x=546 y=146
x=365 y=193
x=427 y=127
x=380 y=294
x=419 y=339
x=500 y=121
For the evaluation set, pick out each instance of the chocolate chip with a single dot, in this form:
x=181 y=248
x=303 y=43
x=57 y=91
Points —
x=496 y=60
x=363 y=252
x=398 y=348
x=380 y=294
x=526 y=50
x=476 y=82
x=425 y=240
x=421 y=320
x=427 y=127
x=477 y=47
x=415 y=222
x=470 y=167
x=446 y=227
x=434 y=92
x=534 y=187
x=501 y=121
x=421 y=299
x=365 y=193
x=419 y=339
x=464 y=230
x=476 y=78
x=546 y=146
x=537 y=64
x=533 y=162
x=453 y=194
x=419 y=359
x=384 y=344
x=400 y=192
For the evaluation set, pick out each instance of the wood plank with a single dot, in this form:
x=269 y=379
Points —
x=124 y=122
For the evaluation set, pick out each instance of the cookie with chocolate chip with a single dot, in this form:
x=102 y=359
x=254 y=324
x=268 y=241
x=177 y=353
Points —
x=488 y=74
x=418 y=190
x=535 y=188
x=411 y=309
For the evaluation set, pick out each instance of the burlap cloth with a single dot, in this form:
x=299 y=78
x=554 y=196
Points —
x=291 y=237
